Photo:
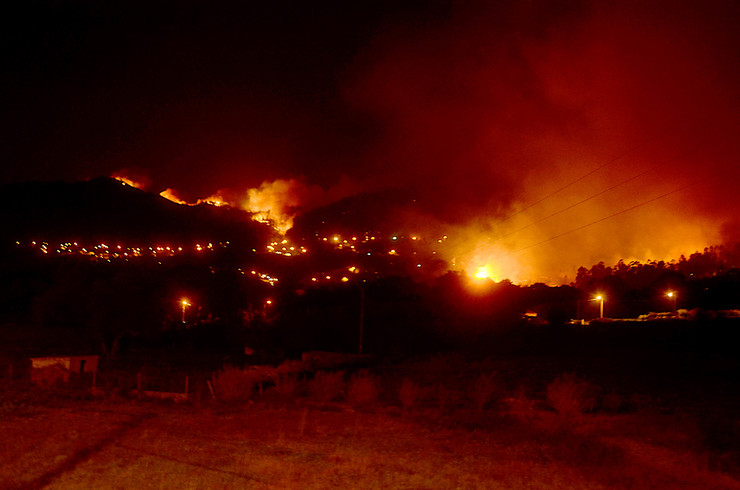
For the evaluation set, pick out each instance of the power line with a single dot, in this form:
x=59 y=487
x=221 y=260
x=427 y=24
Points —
x=582 y=177
x=629 y=151
x=606 y=217
x=593 y=196
x=567 y=208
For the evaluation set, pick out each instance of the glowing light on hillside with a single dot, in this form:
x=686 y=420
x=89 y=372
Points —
x=490 y=270
x=482 y=273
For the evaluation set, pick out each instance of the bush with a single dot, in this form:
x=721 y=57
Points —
x=483 y=389
x=612 y=402
x=363 y=389
x=408 y=393
x=287 y=384
x=291 y=366
x=326 y=386
x=570 y=395
x=447 y=398
x=235 y=384
x=521 y=406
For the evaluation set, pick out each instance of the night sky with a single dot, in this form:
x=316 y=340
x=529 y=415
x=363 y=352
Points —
x=480 y=108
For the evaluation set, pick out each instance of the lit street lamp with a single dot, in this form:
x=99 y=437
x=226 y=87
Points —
x=600 y=299
x=672 y=295
x=185 y=303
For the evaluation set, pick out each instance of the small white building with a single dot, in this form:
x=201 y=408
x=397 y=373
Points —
x=48 y=370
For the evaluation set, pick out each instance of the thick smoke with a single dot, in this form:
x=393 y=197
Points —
x=279 y=201
x=493 y=109
x=539 y=136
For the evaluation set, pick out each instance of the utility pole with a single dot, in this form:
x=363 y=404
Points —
x=362 y=318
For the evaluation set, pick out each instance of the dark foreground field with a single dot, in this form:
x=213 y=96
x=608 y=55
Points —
x=103 y=445
x=603 y=413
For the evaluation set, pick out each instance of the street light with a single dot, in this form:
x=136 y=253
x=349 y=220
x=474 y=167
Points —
x=185 y=303
x=600 y=299
x=672 y=295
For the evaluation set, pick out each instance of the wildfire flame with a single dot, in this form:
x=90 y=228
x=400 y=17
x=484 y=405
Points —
x=482 y=273
x=277 y=202
x=171 y=194
x=128 y=181
x=214 y=200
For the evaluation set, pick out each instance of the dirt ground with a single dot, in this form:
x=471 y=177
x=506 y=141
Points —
x=137 y=444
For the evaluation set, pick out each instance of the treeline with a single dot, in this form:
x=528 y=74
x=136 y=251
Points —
x=706 y=280
x=135 y=305
x=713 y=261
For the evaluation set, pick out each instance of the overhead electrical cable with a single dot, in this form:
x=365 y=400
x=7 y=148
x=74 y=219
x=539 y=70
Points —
x=607 y=217
x=567 y=208
x=582 y=177
x=593 y=196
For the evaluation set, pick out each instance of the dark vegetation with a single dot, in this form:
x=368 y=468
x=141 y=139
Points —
x=103 y=209
x=111 y=306
x=456 y=356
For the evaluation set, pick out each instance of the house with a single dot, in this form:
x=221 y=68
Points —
x=49 y=370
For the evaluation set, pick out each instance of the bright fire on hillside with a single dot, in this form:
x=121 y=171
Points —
x=525 y=247
x=272 y=203
x=128 y=181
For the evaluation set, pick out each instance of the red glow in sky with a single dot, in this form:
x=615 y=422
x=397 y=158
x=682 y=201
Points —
x=483 y=110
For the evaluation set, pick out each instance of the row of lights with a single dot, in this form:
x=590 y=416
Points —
x=105 y=251
x=284 y=247
x=342 y=277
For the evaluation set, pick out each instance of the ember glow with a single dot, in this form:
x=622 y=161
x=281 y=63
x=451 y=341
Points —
x=171 y=195
x=277 y=203
x=128 y=181
x=538 y=138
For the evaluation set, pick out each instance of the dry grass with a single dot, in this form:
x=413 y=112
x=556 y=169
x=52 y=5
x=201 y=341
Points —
x=483 y=390
x=570 y=395
x=409 y=393
x=299 y=448
x=326 y=386
x=363 y=389
x=234 y=384
x=520 y=443
x=287 y=384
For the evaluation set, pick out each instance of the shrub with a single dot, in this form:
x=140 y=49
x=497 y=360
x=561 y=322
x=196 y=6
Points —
x=483 y=389
x=447 y=398
x=235 y=384
x=291 y=366
x=612 y=402
x=363 y=389
x=408 y=393
x=520 y=405
x=570 y=395
x=326 y=386
x=287 y=384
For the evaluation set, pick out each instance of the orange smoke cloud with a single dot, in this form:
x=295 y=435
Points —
x=492 y=111
x=278 y=202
